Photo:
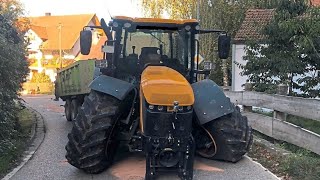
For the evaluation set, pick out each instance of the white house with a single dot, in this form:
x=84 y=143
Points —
x=254 y=21
x=48 y=34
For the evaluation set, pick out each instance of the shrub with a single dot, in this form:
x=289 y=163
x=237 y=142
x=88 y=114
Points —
x=13 y=70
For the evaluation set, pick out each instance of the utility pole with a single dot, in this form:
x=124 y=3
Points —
x=60 y=48
x=198 y=10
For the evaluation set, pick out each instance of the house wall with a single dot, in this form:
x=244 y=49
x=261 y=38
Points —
x=238 y=80
x=238 y=51
x=76 y=47
x=34 y=43
x=51 y=73
x=34 y=46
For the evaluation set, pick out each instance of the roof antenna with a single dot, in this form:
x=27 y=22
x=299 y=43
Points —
x=109 y=14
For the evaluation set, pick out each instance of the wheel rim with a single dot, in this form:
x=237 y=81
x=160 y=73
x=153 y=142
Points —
x=74 y=109
x=67 y=109
x=210 y=148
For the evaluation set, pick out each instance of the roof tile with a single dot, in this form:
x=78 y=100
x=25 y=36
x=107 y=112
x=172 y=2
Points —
x=47 y=27
x=253 y=23
x=315 y=2
x=40 y=31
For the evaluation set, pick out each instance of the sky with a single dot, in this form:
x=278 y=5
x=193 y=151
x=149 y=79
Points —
x=99 y=7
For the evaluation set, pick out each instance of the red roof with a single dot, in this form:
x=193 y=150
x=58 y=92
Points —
x=47 y=27
x=315 y=2
x=40 y=31
x=253 y=23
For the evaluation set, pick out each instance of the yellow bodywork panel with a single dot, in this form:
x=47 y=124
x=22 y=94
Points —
x=161 y=85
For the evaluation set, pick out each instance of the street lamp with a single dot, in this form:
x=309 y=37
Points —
x=60 y=49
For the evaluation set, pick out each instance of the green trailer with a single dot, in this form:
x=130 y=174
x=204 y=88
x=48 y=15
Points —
x=72 y=85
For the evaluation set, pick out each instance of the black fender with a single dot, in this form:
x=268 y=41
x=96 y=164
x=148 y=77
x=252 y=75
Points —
x=210 y=101
x=111 y=86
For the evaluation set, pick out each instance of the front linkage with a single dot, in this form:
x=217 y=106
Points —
x=169 y=154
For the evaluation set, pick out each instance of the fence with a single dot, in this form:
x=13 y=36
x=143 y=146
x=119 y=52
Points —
x=276 y=126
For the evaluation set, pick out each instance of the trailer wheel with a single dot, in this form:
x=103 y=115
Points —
x=67 y=109
x=74 y=109
x=230 y=134
x=91 y=146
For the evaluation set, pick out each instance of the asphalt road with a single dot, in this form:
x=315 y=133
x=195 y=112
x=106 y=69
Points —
x=49 y=161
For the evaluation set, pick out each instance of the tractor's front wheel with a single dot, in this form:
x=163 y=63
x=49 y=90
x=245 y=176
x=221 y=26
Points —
x=227 y=138
x=91 y=145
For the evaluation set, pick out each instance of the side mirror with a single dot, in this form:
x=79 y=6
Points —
x=224 y=46
x=85 y=41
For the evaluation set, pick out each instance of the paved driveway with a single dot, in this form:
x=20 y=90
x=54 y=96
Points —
x=49 y=161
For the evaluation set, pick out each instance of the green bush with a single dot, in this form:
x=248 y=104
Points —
x=40 y=78
x=302 y=167
x=13 y=70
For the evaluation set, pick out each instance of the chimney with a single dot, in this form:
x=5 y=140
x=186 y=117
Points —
x=47 y=14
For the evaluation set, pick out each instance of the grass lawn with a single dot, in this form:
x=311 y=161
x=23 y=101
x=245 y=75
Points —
x=300 y=164
x=12 y=155
x=309 y=124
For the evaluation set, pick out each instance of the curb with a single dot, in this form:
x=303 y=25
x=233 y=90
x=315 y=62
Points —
x=255 y=162
x=270 y=146
x=36 y=138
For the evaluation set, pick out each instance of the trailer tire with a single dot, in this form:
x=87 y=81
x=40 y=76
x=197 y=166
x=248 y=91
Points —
x=74 y=109
x=232 y=135
x=67 y=109
x=91 y=146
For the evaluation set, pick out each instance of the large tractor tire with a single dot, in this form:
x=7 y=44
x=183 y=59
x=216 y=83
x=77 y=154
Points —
x=227 y=138
x=91 y=145
x=74 y=109
x=67 y=109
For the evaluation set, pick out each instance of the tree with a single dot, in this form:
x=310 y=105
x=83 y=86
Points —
x=40 y=78
x=218 y=14
x=290 y=54
x=11 y=10
x=13 y=69
x=175 y=9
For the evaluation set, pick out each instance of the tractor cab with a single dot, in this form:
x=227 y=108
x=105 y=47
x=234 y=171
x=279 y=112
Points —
x=135 y=43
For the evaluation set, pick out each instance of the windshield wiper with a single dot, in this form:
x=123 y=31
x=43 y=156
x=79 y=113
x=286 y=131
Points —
x=157 y=38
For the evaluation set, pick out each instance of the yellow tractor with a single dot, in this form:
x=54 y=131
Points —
x=147 y=96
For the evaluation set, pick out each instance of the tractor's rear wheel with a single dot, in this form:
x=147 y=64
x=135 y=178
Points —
x=74 y=109
x=91 y=146
x=231 y=134
x=67 y=109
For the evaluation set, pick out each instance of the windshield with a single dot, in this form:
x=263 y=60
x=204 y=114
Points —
x=167 y=47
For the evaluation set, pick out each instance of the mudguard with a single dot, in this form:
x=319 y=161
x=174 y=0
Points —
x=210 y=101
x=112 y=86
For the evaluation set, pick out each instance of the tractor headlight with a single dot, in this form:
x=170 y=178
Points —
x=127 y=25
x=115 y=24
x=168 y=109
x=160 y=108
x=188 y=27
